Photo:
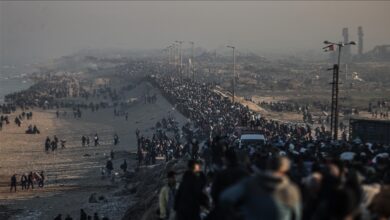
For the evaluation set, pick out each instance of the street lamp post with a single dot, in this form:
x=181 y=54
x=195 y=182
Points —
x=180 y=57
x=192 y=61
x=168 y=51
x=234 y=71
x=175 y=56
x=335 y=87
x=170 y=54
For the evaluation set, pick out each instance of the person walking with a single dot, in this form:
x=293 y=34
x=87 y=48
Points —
x=267 y=195
x=30 y=181
x=95 y=216
x=41 y=180
x=124 y=166
x=96 y=139
x=23 y=181
x=116 y=139
x=83 y=140
x=13 y=183
x=83 y=215
x=109 y=166
x=190 y=196
x=167 y=197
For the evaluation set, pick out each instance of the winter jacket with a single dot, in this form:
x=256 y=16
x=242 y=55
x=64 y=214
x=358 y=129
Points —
x=166 y=201
x=263 y=196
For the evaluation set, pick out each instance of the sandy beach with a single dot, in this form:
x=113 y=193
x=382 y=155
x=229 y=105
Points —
x=73 y=173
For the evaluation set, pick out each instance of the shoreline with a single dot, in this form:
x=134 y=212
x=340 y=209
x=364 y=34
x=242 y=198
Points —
x=11 y=83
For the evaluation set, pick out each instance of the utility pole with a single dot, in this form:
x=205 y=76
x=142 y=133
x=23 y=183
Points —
x=172 y=57
x=175 y=52
x=234 y=71
x=334 y=103
x=335 y=88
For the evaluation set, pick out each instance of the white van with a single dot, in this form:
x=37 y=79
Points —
x=254 y=140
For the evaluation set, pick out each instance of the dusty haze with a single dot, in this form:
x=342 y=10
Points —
x=35 y=31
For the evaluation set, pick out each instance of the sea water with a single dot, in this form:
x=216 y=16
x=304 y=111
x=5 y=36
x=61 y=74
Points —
x=13 y=79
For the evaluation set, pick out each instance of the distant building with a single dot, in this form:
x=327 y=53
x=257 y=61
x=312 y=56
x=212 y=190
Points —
x=347 y=48
x=379 y=53
x=360 y=40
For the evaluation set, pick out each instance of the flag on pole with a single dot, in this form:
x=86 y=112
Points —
x=329 y=48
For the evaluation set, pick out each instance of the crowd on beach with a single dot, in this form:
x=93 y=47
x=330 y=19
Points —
x=66 y=91
x=300 y=173
x=5 y=120
x=46 y=91
x=28 y=180
x=53 y=144
x=7 y=108
x=43 y=100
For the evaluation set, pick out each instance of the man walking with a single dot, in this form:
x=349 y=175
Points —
x=116 y=139
x=30 y=181
x=13 y=182
x=167 y=197
x=109 y=167
x=41 y=180
x=96 y=139
x=190 y=196
x=23 y=181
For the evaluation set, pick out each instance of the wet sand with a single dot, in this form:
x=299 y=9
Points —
x=73 y=173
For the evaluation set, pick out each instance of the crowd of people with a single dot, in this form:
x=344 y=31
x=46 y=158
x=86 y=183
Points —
x=214 y=114
x=379 y=109
x=27 y=181
x=44 y=93
x=83 y=216
x=53 y=144
x=32 y=129
x=7 y=108
x=300 y=173
x=150 y=99
x=279 y=106
x=66 y=91
x=165 y=142
x=4 y=120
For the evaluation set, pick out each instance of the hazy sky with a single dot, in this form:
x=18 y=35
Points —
x=33 y=31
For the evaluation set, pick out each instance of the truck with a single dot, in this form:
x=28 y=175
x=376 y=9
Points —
x=370 y=130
